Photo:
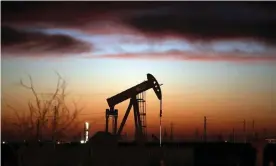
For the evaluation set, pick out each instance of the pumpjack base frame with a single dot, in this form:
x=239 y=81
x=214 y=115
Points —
x=137 y=120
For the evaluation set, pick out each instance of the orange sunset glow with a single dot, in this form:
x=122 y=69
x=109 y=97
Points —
x=227 y=74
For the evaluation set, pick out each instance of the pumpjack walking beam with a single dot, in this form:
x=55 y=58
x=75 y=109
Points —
x=131 y=94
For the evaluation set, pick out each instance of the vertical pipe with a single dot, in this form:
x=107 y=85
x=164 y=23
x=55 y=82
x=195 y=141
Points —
x=205 y=129
x=160 y=131
x=160 y=123
x=253 y=129
x=145 y=105
x=234 y=136
x=244 y=130
x=171 y=138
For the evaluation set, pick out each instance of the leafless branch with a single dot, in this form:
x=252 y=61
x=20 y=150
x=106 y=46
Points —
x=40 y=110
x=31 y=87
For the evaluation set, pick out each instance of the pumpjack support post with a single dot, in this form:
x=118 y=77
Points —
x=113 y=113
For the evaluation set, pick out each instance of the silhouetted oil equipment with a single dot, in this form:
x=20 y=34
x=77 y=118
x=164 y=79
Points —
x=131 y=94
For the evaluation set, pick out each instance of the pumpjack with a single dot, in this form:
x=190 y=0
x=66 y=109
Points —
x=131 y=94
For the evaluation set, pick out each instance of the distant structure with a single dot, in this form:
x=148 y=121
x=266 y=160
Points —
x=253 y=131
x=86 y=131
x=253 y=126
x=165 y=135
x=154 y=137
x=220 y=137
x=197 y=135
x=264 y=133
x=233 y=135
x=171 y=135
x=205 y=129
x=244 y=130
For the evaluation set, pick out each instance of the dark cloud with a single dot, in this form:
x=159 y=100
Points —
x=192 y=20
x=26 y=42
x=211 y=21
x=66 y=14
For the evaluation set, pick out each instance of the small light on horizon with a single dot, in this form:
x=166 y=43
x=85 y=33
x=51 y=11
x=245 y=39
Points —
x=86 y=125
x=3 y=142
x=82 y=141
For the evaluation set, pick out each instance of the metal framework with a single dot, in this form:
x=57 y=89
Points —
x=141 y=99
x=139 y=114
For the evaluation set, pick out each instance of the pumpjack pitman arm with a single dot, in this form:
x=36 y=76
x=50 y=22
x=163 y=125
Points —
x=131 y=92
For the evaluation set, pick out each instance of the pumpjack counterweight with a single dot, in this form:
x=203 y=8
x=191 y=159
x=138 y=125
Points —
x=131 y=94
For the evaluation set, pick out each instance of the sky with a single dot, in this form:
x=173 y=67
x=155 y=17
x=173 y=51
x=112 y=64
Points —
x=215 y=59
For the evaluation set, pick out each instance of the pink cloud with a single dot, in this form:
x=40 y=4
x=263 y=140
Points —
x=188 y=56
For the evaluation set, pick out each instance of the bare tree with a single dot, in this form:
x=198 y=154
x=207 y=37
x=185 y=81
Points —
x=52 y=114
